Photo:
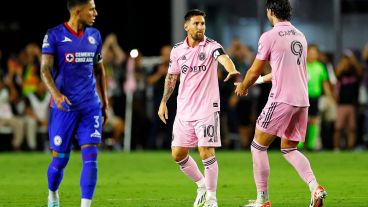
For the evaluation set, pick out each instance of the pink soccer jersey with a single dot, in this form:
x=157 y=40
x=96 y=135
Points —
x=199 y=94
x=288 y=47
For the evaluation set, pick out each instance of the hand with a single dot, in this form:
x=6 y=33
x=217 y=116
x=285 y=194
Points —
x=240 y=89
x=62 y=102
x=232 y=75
x=163 y=112
x=105 y=114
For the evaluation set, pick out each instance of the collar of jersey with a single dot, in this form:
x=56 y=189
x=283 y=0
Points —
x=201 y=43
x=286 y=23
x=80 y=34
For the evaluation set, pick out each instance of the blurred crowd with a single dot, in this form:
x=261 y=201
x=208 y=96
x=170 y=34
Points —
x=338 y=116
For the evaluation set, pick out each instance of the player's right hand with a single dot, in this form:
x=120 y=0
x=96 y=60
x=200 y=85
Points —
x=163 y=112
x=62 y=102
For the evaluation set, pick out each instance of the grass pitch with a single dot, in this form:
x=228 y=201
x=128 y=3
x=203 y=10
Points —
x=152 y=179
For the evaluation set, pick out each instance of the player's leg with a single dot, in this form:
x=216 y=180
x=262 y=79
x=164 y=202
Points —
x=89 y=136
x=295 y=133
x=61 y=130
x=183 y=138
x=88 y=179
x=208 y=133
x=207 y=155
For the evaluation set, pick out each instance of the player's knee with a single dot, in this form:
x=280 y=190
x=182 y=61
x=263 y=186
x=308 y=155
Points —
x=59 y=163
x=178 y=155
x=206 y=152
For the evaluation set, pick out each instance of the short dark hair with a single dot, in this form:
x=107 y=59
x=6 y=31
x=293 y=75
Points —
x=73 y=3
x=281 y=8
x=194 y=12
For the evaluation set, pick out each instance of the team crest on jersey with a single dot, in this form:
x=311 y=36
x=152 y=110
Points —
x=69 y=57
x=91 y=40
x=202 y=56
x=57 y=140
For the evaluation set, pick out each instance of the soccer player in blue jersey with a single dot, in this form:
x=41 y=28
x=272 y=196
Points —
x=71 y=67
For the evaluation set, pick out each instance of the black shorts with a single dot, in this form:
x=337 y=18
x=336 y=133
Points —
x=313 y=108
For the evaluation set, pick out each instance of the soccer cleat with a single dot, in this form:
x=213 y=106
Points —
x=256 y=203
x=53 y=203
x=317 y=197
x=211 y=203
x=201 y=197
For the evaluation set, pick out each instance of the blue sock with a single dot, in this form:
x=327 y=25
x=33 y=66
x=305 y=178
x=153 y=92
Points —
x=56 y=170
x=88 y=178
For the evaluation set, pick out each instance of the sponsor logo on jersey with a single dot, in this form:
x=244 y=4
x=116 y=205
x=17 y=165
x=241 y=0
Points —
x=79 y=57
x=96 y=134
x=66 y=39
x=194 y=69
x=57 y=140
x=91 y=40
x=69 y=57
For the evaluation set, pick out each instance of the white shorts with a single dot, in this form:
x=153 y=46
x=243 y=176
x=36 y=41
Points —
x=199 y=133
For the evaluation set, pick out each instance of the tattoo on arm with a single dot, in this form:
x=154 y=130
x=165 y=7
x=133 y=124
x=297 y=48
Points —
x=170 y=83
x=47 y=62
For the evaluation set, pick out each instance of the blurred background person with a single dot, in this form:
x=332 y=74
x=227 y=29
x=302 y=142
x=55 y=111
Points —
x=113 y=57
x=7 y=117
x=156 y=79
x=318 y=85
x=349 y=73
x=36 y=115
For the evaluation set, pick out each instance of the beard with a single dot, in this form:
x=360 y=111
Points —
x=198 y=37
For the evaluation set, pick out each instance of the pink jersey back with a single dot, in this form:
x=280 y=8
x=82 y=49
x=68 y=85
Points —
x=199 y=94
x=285 y=47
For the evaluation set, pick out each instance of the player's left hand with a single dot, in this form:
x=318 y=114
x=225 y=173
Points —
x=105 y=115
x=232 y=75
x=240 y=90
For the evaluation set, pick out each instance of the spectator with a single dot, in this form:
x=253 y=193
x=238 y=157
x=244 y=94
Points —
x=349 y=74
x=157 y=79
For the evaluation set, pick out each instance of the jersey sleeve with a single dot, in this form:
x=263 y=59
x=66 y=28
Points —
x=264 y=48
x=98 y=54
x=174 y=67
x=48 y=44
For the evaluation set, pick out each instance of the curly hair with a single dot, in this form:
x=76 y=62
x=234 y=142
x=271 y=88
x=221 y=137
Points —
x=281 y=8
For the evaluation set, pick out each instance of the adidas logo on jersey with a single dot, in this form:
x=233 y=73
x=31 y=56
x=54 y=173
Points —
x=96 y=134
x=66 y=39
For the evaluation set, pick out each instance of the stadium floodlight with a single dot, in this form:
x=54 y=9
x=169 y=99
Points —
x=134 y=53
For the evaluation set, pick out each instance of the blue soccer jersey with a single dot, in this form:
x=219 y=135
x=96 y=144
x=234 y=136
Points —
x=74 y=57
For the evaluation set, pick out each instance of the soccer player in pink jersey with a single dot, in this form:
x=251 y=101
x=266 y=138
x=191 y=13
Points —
x=286 y=112
x=197 y=122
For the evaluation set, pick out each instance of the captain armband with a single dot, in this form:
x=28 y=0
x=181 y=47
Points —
x=218 y=52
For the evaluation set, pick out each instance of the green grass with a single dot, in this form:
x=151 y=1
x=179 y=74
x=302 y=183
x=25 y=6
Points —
x=153 y=179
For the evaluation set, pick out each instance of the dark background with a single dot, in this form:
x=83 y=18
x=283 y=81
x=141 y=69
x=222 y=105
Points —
x=139 y=24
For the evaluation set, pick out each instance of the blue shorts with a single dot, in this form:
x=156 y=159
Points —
x=84 y=125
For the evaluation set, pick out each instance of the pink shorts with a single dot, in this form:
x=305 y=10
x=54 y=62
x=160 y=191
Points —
x=200 y=133
x=284 y=121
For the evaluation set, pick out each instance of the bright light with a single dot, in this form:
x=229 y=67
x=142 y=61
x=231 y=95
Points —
x=134 y=53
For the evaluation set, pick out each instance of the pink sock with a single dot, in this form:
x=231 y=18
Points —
x=210 y=173
x=261 y=166
x=190 y=168
x=300 y=163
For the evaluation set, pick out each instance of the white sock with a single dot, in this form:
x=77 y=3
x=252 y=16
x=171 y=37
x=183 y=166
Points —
x=211 y=196
x=53 y=195
x=201 y=183
x=262 y=196
x=312 y=185
x=86 y=202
